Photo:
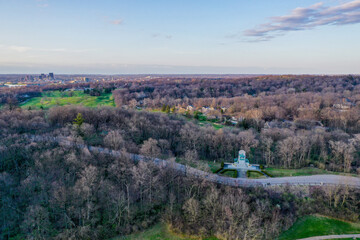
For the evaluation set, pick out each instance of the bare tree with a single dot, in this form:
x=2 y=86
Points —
x=114 y=140
x=343 y=153
x=150 y=148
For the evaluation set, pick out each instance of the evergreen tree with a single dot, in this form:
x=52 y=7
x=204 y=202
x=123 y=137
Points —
x=197 y=115
x=163 y=108
x=79 y=120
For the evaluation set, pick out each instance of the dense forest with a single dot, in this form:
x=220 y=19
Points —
x=51 y=191
x=331 y=100
x=258 y=100
x=173 y=136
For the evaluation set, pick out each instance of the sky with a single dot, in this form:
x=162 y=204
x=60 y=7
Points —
x=180 y=36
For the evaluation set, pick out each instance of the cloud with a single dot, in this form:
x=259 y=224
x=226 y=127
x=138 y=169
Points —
x=117 y=22
x=158 y=35
x=42 y=3
x=155 y=35
x=304 y=18
x=18 y=48
x=45 y=5
x=22 y=49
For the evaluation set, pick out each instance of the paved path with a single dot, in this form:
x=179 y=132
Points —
x=315 y=180
x=354 y=236
x=312 y=180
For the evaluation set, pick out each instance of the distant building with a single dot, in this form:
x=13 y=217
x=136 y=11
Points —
x=42 y=76
x=212 y=117
x=344 y=104
x=15 y=85
x=51 y=76
x=189 y=108
x=279 y=124
x=205 y=110
x=85 y=79
x=28 y=78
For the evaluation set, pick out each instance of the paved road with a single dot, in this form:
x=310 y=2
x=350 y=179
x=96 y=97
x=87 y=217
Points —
x=313 y=180
x=354 y=236
x=319 y=180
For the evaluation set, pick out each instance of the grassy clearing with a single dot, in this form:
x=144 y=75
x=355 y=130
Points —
x=215 y=166
x=57 y=98
x=279 y=172
x=311 y=226
x=256 y=175
x=157 y=232
x=201 y=120
x=217 y=126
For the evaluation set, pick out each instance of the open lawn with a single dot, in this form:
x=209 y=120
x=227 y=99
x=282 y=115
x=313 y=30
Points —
x=313 y=225
x=256 y=175
x=215 y=166
x=157 y=232
x=279 y=172
x=57 y=98
x=201 y=121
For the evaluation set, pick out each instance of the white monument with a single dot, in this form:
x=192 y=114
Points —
x=241 y=164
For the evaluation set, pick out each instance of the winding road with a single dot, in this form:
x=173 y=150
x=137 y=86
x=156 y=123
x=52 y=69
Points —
x=314 y=180
x=351 y=236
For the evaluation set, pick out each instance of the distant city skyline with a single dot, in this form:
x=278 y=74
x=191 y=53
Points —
x=180 y=36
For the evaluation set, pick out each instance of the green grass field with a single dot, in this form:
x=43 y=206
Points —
x=311 y=226
x=256 y=175
x=57 y=98
x=279 y=172
x=157 y=232
x=215 y=166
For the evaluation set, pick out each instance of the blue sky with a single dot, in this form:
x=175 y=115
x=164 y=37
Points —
x=180 y=36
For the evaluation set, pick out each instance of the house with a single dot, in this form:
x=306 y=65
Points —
x=234 y=120
x=207 y=109
x=226 y=117
x=223 y=109
x=279 y=124
x=189 y=108
x=344 y=104
x=211 y=117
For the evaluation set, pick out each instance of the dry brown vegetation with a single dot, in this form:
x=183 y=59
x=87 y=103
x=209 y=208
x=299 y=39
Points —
x=49 y=191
